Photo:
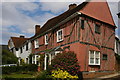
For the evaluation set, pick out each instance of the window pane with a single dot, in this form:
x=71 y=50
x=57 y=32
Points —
x=91 y=54
x=97 y=54
x=91 y=60
x=97 y=61
x=60 y=35
x=92 y=57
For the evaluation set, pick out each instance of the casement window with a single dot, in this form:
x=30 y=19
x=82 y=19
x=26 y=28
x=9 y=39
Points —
x=46 y=39
x=26 y=46
x=35 y=59
x=97 y=28
x=104 y=57
x=27 y=61
x=94 y=57
x=82 y=24
x=60 y=35
x=36 y=43
x=16 y=49
x=21 y=50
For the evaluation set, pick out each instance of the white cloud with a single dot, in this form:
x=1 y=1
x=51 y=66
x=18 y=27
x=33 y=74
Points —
x=6 y=35
x=12 y=16
x=16 y=0
x=27 y=6
x=56 y=7
x=54 y=0
x=43 y=18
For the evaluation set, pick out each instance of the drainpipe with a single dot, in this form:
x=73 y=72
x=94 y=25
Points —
x=50 y=59
x=35 y=59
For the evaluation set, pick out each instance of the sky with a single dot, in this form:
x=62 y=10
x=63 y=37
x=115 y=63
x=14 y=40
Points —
x=19 y=17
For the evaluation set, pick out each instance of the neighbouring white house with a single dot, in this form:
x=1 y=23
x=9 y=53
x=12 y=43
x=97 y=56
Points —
x=24 y=51
x=117 y=45
x=21 y=47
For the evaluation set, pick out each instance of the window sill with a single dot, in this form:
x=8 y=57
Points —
x=94 y=64
x=37 y=48
x=60 y=41
x=46 y=44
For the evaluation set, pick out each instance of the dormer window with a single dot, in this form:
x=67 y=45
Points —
x=46 y=39
x=60 y=35
x=36 y=43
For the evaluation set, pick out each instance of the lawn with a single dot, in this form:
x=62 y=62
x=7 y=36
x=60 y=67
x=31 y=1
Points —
x=19 y=75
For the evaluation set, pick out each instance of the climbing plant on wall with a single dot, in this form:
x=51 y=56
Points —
x=42 y=56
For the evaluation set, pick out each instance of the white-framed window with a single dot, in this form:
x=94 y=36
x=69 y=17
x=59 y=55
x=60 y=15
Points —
x=36 y=43
x=35 y=59
x=94 y=57
x=46 y=39
x=60 y=35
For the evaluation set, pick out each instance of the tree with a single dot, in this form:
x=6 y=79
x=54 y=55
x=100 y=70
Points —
x=8 y=57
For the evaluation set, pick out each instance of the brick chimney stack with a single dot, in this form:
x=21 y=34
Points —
x=72 y=6
x=37 y=28
x=21 y=36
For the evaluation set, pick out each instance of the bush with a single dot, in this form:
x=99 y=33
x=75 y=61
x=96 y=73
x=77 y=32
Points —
x=8 y=57
x=43 y=75
x=66 y=61
x=24 y=68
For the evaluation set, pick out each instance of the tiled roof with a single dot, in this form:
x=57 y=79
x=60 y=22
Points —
x=97 y=10
x=18 y=42
x=54 y=21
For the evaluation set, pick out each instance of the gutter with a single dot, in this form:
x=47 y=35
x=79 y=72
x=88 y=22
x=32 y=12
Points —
x=62 y=22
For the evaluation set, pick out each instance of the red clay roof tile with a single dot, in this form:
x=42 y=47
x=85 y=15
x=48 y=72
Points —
x=96 y=10
x=18 y=41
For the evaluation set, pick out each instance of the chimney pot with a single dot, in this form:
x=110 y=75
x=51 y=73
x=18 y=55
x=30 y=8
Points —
x=72 y=6
x=37 y=28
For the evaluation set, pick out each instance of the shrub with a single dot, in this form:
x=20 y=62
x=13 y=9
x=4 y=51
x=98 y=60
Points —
x=43 y=75
x=12 y=69
x=62 y=74
x=8 y=57
x=66 y=61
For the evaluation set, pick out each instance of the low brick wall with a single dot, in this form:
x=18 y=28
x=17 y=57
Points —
x=96 y=74
x=117 y=66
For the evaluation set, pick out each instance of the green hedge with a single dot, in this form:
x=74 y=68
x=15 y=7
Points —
x=12 y=69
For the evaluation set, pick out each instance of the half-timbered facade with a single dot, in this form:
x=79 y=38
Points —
x=87 y=29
